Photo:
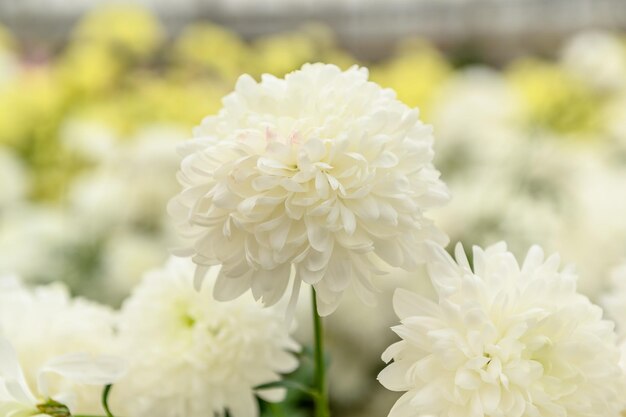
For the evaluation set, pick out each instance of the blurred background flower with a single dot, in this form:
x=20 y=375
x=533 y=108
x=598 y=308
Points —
x=529 y=113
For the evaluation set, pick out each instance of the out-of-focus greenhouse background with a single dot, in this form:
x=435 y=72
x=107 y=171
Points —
x=527 y=97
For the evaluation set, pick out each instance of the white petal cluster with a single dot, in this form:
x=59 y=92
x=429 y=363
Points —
x=18 y=400
x=503 y=340
x=191 y=356
x=318 y=174
x=44 y=323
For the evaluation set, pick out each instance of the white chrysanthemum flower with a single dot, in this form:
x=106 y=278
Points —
x=503 y=340
x=317 y=174
x=191 y=356
x=18 y=400
x=44 y=322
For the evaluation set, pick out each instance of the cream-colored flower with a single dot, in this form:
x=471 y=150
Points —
x=191 y=356
x=503 y=340
x=45 y=323
x=318 y=174
x=17 y=399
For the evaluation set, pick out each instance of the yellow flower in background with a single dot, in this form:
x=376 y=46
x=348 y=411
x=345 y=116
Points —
x=553 y=98
x=149 y=99
x=326 y=46
x=211 y=47
x=416 y=73
x=282 y=53
x=12 y=123
x=29 y=106
x=127 y=28
x=180 y=103
x=105 y=74
x=30 y=114
x=87 y=68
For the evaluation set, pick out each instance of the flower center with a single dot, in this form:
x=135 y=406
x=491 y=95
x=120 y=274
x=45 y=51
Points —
x=54 y=409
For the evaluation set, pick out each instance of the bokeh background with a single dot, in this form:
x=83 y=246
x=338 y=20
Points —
x=527 y=97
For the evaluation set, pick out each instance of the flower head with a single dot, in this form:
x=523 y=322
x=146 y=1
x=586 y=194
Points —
x=503 y=340
x=193 y=357
x=17 y=399
x=319 y=174
x=45 y=323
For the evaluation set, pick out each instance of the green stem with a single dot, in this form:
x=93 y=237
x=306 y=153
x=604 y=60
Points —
x=321 y=384
x=105 y=400
x=289 y=385
x=277 y=410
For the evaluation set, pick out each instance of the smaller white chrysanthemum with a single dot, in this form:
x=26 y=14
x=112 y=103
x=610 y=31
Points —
x=17 y=399
x=315 y=176
x=503 y=340
x=191 y=356
x=45 y=322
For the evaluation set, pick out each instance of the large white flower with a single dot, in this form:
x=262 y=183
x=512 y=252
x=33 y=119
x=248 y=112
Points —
x=191 y=356
x=17 y=399
x=44 y=322
x=503 y=340
x=315 y=174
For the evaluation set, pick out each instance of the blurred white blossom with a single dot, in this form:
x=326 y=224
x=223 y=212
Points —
x=17 y=399
x=192 y=356
x=44 y=322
